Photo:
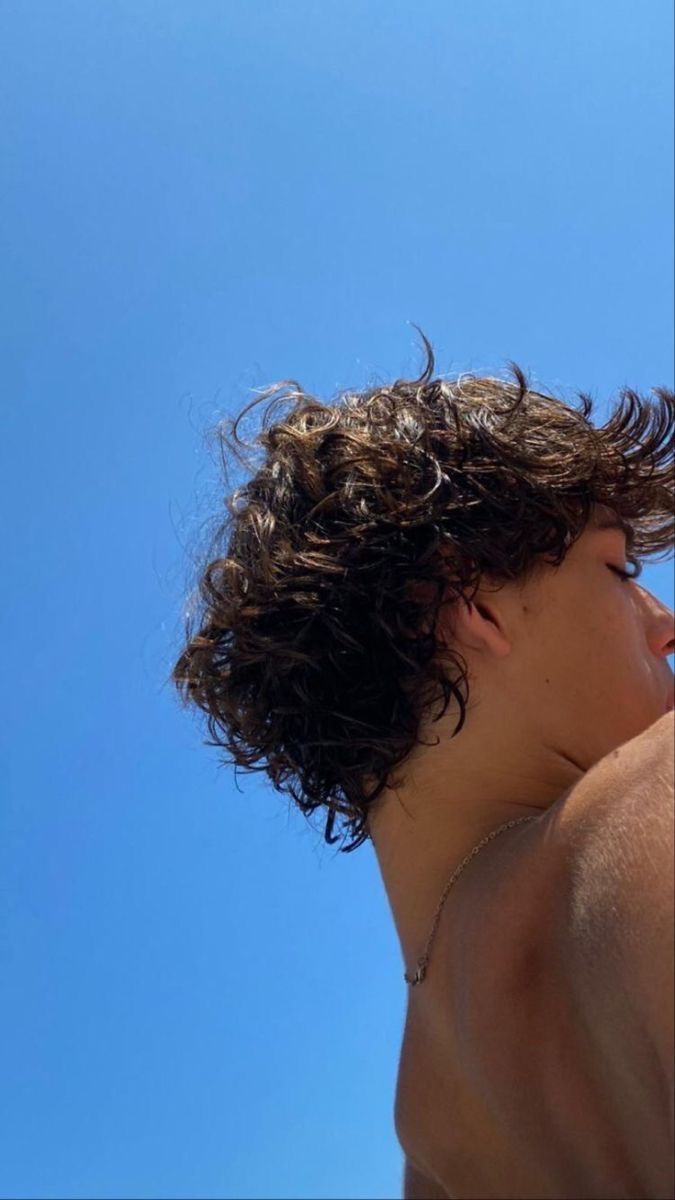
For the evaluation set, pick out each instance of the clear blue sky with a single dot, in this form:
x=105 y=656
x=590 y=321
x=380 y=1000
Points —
x=198 y=998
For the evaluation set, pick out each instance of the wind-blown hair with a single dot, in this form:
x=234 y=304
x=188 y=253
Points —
x=313 y=653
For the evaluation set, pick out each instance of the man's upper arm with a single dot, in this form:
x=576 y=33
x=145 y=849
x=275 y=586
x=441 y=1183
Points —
x=621 y=903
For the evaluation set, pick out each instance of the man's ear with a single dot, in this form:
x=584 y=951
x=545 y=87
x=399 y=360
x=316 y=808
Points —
x=477 y=625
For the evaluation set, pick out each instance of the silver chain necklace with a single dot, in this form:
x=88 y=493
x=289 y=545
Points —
x=422 y=962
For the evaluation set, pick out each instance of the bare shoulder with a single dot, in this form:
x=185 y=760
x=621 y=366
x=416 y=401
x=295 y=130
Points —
x=617 y=910
x=619 y=830
x=658 y=736
x=641 y=767
x=616 y=826
x=619 y=822
x=620 y=810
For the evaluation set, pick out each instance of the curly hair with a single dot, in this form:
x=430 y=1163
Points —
x=314 y=652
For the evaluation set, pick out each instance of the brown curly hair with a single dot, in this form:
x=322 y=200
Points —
x=314 y=652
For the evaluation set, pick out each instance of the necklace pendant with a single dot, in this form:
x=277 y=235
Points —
x=418 y=977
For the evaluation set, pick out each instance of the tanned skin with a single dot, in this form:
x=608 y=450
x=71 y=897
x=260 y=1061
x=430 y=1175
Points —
x=510 y=1083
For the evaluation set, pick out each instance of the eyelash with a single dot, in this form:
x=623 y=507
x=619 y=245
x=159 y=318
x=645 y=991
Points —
x=624 y=574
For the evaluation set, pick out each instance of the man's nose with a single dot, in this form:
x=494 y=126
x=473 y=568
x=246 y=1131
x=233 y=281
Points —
x=660 y=625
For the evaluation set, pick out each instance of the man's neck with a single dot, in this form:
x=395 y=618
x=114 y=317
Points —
x=447 y=805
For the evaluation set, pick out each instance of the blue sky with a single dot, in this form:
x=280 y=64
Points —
x=197 y=997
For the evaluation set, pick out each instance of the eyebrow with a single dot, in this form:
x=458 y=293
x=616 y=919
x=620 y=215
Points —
x=616 y=523
x=611 y=523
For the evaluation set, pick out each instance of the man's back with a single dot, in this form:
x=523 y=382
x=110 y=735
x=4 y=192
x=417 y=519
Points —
x=537 y=1059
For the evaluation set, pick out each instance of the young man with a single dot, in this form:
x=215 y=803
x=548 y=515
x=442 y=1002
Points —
x=538 y=1052
x=467 y=540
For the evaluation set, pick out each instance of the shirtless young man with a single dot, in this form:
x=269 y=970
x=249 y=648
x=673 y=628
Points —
x=537 y=1056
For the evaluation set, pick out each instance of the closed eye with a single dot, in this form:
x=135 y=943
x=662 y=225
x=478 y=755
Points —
x=637 y=570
